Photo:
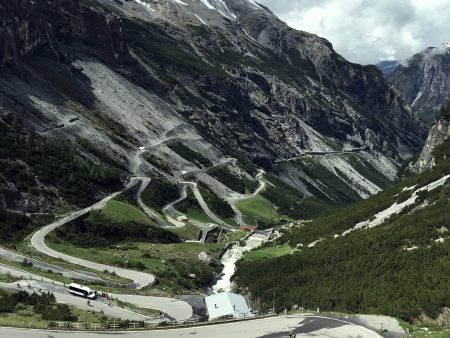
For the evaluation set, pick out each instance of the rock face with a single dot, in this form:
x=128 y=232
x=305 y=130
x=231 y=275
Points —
x=204 y=258
x=29 y=25
x=424 y=81
x=439 y=133
x=227 y=78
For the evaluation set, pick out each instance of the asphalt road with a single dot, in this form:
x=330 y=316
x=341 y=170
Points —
x=140 y=279
x=169 y=211
x=62 y=295
x=176 y=309
x=145 y=181
x=204 y=206
x=276 y=327
x=323 y=153
x=17 y=257
x=232 y=201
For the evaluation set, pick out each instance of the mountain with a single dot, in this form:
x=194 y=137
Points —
x=438 y=135
x=385 y=255
x=94 y=91
x=388 y=66
x=423 y=80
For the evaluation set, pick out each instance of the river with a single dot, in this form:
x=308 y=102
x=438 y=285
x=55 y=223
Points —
x=229 y=259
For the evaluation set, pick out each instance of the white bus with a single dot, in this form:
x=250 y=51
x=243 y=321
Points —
x=82 y=291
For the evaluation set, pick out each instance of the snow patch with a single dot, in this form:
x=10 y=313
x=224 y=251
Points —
x=254 y=3
x=221 y=7
x=201 y=20
x=313 y=244
x=207 y=4
x=145 y=4
x=419 y=95
x=396 y=208
x=409 y=188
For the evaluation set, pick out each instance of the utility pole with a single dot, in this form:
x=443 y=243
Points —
x=273 y=303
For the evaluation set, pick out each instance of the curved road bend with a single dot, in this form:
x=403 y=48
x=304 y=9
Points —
x=178 y=310
x=140 y=279
x=145 y=181
x=169 y=211
x=204 y=206
x=86 y=276
x=62 y=295
x=174 y=308
x=232 y=201
x=273 y=327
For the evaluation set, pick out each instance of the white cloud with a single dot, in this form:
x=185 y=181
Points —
x=367 y=31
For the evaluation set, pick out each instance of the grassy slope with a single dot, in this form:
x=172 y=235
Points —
x=25 y=317
x=269 y=252
x=188 y=232
x=197 y=215
x=290 y=201
x=171 y=263
x=135 y=251
x=258 y=209
x=123 y=212
x=191 y=208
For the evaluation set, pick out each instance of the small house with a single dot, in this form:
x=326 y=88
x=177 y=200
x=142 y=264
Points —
x=227 y=304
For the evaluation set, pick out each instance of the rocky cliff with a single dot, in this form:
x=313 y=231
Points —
x=439 y=133
x=228 y=78
x=423 y=80
x=30 y=25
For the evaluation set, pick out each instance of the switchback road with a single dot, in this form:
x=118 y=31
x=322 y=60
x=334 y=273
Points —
x=141 y=279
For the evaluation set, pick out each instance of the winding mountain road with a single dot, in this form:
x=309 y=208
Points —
x=204 y=206
x=169 y=211
x=62 y=295
x=141 y=279
x=324 y=153
x=176 y=309
x=145 y=181
x=232 y=201
x=86 y=276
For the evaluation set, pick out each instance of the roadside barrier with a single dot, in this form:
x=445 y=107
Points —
x=157 y=325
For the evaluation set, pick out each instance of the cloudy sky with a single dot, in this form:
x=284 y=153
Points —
x=368 y=31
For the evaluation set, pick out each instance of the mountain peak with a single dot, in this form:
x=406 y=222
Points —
x=423 y=80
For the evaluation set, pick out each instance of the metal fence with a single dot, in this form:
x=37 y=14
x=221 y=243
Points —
x=131 y=325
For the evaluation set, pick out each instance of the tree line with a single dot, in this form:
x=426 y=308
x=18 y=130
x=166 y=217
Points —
x=97 y=230
x=43 y=304
x=54 y=162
